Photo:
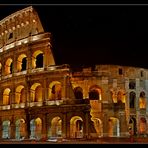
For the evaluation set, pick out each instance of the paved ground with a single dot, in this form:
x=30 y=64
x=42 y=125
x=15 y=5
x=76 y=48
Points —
x=83 y=141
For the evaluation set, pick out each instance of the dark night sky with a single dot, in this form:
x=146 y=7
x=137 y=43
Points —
x=98 y=34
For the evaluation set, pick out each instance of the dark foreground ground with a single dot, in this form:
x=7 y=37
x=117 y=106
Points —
x=82 y=141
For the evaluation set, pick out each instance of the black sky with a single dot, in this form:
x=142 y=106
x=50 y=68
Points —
x=94 y=34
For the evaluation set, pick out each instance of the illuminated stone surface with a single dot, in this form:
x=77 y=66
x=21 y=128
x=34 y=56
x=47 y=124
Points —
x=42 y=100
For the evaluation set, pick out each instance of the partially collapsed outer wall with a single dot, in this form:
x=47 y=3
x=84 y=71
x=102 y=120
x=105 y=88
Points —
x=113 y=83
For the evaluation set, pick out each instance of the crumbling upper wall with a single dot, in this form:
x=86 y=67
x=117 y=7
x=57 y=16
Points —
x=19 y=25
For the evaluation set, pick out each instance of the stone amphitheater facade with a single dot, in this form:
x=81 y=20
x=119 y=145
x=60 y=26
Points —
x=39 y=99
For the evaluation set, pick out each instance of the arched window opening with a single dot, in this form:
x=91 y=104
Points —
x=76 y=127
x=118 y=97
x=113 y=127
x=56 y=128
x=20 y=129
x=6 y=129
x=132 y=84
x=6 y=97
x=142 y=126
x=55 y=90
x=132 y=98
x=24 y=64
x=142 y=95
x=19 y=94
x=8 y=66
x=132 y=125
x=36 y=128
x=94 y=93
x=36 y=92
x=121 y=96
x=39 y=61
x=21 y=62
x=98 y=126
x=142 y=101
x=78 y=93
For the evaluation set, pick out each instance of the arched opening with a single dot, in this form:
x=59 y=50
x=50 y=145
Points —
x=142 y=126
x=6 y=97
x=36 y=128
x=36 y=92
x=142 y=101
x=132 y=84
x=24 y=64
x=8 y=66
x=118 y=97
x=55 y=90
x=95 y=98
x=132 y=98
x=6 y=129
x=113 y=127
x=95 y=93
x=78 y=91
x=20 y=94
x=21 y=62
x=76 y=127
x=20 y=129
x=37 y=59
x=98 y=126
x=132 y=125
x=56 y=128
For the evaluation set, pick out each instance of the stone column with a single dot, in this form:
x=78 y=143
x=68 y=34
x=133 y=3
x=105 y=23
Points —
x=14 y=68
x=3 y=67
x=105 y=125
x=44 y=127
x=27 y=91
x=12 y=129
x=28 y=132
x=123 y=125
x=45 y=59
x=86 y=123
x=64 y=125
x=29 y=60
x=45 y=91
x=12 y=97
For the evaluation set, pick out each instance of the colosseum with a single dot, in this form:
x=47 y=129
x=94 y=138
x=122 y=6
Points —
x=40 y=99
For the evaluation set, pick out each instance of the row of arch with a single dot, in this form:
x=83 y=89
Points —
x=55 y=128
x=21 y=65
x=36 y=93
x=55 y=92
x=95 y=93
x=142 y=100
x=36 y=128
